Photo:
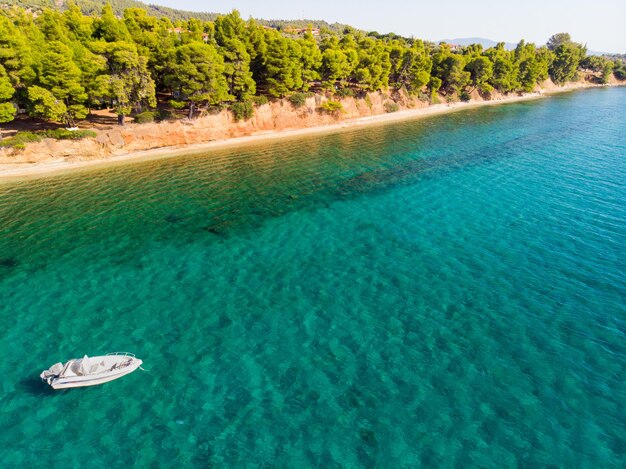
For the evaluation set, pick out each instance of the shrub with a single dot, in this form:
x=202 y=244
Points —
x=145 y=117
x=64 y=134
x=177 y=104
x=297 y=100
x=243 y=110
x=619 y=70
x=485 y=89
x=345 y=93
x=332 y=107
x=368 y=101
x=422 y=96
x=20 y=139
x=259 y=100
x=464 y=96
x=163 y=114
x=390 y=106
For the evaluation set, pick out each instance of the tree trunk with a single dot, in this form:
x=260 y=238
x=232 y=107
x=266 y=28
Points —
x=191 y=106
x=69 y=122
x=120 y=119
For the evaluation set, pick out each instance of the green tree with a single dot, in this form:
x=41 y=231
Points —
x=397 y=50
x=79 y=26
x=544 y=57
x=374 y=64
x=45 y=105
x=600 y=65
x=504 y=77
x=450 y=69
x=410 y=66
x=257 y=48
x=336 y=65
x=94 y=73
x=416 y=67
x=141 y=27
x=480 y=69
x=619 y=69
x=15 y=55
x=230 y=33
x=434 y=85
x=283 y=65
x=567 y=57
x=53 y=26
x=130 y=86
x=557 y=40
x=155 y=40
x=311 y=59
x=109 y=28
x=198 y=74
x=529 y=66
x=7 y=110
x=60 y=75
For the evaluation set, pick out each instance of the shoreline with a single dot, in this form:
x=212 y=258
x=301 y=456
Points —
x=25 y=171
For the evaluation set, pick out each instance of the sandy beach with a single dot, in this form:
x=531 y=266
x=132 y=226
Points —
x=18 y=171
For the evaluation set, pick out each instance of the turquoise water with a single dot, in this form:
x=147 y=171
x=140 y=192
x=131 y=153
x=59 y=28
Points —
x=439 y=293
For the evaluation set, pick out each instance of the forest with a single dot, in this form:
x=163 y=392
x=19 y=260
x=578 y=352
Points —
x=57 y=66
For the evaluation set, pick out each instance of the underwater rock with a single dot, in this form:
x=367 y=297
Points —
x=213 y=230
x=9 y=262
x=173 y=218
x=368 y=437
x=220 y=227
x=225 y=321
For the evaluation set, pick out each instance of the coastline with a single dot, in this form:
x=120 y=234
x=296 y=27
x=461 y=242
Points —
x=21 y=171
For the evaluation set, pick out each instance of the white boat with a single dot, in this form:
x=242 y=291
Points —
x=90 y=371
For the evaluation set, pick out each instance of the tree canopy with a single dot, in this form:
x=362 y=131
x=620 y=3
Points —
x=57 y=65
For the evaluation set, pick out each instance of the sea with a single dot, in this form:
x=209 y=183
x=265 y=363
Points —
x=443 y=292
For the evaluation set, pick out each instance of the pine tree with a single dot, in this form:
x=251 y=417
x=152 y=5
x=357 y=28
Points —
x=416 y=67
x=7 y=110
x=374 y=65
x=567 y=57
x=311 y=59
x=15 y=55
x=230 y=34
x=450 y=69
x=198 y=74
x=505 y=72
x=110 y=29
x=60 y=75
x=481 y=70
x=283 y=67
x=45 y=105
x=336 y=63
x=130 y=86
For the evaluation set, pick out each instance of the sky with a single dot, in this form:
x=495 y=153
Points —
x=600 y=24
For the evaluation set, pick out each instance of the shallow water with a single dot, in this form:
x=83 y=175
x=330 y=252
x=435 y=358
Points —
x=447 y=292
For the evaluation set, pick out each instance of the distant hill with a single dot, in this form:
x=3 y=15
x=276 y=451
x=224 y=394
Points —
x=93 y=7
x=486 y=43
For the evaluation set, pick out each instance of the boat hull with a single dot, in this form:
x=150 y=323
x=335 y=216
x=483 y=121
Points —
x=78 y=373
x=83 y=381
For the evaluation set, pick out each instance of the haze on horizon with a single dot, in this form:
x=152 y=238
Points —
x=599 y=26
